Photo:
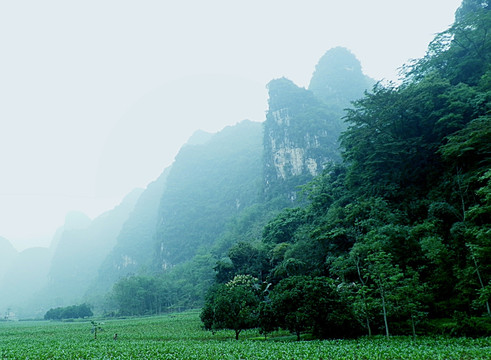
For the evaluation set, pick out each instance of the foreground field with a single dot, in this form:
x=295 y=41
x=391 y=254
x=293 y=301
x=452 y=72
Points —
x=180 y=337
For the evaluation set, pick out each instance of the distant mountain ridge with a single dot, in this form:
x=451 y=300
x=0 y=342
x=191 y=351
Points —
x=338 y=79
x=134 y=249
x=40 y=278
x=218 y=183
x=7 y=253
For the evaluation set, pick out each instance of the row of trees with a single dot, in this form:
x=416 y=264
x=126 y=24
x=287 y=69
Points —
x=69 y=312
x=400 y=231
x=298 y=303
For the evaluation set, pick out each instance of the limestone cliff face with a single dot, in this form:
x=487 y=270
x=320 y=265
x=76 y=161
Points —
x=302 y=126
x=293 y=156
x=300 y=137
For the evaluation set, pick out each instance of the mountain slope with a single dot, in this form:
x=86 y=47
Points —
x=82 y=246
x=7 y=255
x=338 y=78
x=26 y=275
x=135 y=245
x=207 y=186
x=300 y=137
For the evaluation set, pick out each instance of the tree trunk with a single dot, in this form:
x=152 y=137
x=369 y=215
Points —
x=414 y=327
x=237 y=332
x=368 y=327
x=364 y=299
x=480 y=280
x=385 y=313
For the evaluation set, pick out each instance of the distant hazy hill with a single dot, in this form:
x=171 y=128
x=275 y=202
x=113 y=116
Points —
x=135 y=246
x=221 y=189
x=338 y=78
x=7 y=255
x=26 y=275
x=42 y=278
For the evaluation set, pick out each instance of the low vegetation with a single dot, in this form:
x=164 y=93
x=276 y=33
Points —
x=180 y=336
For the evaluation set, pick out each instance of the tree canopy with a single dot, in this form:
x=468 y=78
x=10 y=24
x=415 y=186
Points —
x=398 y=233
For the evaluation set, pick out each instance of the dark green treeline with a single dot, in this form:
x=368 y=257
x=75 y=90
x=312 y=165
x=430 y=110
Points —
x=399 y=233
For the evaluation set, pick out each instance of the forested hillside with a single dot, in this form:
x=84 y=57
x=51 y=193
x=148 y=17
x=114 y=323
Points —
x=225 y=190
x=163 y=257
x=208 y=185
x=398 y=233
x=355 y=208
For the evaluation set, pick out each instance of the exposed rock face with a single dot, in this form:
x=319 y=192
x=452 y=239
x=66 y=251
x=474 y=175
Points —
x=300 y=137
x=291 y=160
x=302 y=126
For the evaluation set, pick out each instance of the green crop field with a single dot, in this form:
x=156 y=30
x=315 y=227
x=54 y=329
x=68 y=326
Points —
x=180 y=336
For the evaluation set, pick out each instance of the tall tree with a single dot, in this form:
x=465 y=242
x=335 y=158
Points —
x=233 y=305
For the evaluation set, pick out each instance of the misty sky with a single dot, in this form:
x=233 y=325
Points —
x=96 y=97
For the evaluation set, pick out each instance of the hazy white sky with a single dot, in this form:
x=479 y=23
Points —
x=96 y=97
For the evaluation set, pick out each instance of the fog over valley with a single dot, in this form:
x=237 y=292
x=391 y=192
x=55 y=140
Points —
x=297 y=170
x=97 y=98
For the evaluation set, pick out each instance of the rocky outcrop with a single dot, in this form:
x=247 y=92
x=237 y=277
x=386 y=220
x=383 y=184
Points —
x=300 y=137
x=302 y=126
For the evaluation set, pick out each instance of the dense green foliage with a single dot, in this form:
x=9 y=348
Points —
x=69 y=312
x=399 y=233
x=181 y=288
x=301 y=303
x=233 y=305
x=180 y=336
